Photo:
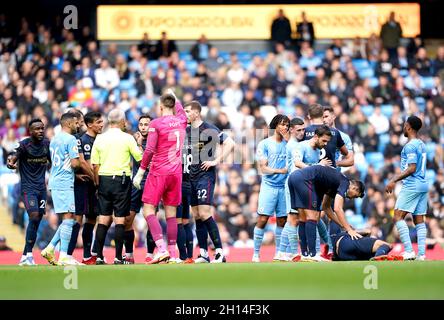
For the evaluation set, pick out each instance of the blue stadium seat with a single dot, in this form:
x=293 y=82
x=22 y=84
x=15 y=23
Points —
x=262 y=54
x=366 y=73
x=244 y=55
x=403 y=73
x=375 y=159
x=191 y=66
x=383 y=140
x=132 y=92
x=420 y=101
x=428 y=82
x=362 y=167
x=430 y=177
x=430 y=149
x=360 y=64
x=125 y=85
x=282 y=101
x=185 y=56
x=387 y=110
x=225 y=55
x=367 y=110
x=357 y=221
x=373 y=82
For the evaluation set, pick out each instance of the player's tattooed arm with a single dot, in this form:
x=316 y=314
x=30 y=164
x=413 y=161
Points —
x=411 y=169
x=348 y=159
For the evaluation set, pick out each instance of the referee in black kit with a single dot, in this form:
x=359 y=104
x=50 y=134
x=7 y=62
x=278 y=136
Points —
x=111 y=157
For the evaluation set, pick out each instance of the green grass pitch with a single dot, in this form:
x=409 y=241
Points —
x=338 y=280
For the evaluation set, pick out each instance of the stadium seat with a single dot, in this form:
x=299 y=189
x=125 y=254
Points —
x=384 y=139
x=373 y=82
x=244 y=55
x=430 y=149
x=420 y=101
x=375 y=159
x=125 y=85
x=191 y=66
x=132 y=93
x=430 y=177
x=360 y=64
x=366 y=73
x=224 y=55
x=282 y=101
x=403 y=73
x=185 y=56
x=362 y=167
x=367 y=110
x=153 y=64
x=428 y=82
x=387 y=110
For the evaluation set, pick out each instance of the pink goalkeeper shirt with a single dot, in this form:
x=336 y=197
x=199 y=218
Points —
x=166 y=137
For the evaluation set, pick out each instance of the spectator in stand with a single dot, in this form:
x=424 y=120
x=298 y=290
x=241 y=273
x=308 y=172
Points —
x=438 y=63
x=147 y=47
x=393 y=148
x=164 y=46
x=391 y=34
x=201 y=49
x=413 y=46
x=106 y=77
x=379 y=121
x=423 y=64
x=383 y=93
x=401 y=61
x=4 y=245
x=281 y=30
x=305 y=30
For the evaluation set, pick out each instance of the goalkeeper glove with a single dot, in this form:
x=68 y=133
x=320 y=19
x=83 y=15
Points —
x=138 y=178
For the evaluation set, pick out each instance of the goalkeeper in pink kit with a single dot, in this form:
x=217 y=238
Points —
x=163 y=153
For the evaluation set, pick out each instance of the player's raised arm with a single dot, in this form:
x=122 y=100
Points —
x=179 y=111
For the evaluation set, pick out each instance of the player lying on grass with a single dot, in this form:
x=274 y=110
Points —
x=347 y=249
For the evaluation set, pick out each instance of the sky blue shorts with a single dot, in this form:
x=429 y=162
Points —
x=63 y=201
x=272 y=200
x=412 y=202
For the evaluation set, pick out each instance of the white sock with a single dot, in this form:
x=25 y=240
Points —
x=29 y=255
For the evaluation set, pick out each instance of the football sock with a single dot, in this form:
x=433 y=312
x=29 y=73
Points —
x=156 y=232
x=65 y=234
x=74 y=236
x=56 y=238
x=87 y=236
x=119 y=235
x=213 y=231
x=310 y=230
x=181 y=241
x=31 y=234
x=150 y=244
x=421 y=232
x=303 y=238
x=293 y=239
x=277 y=232
x=323 y=233
x=382 y=250
x=100 y=238
x=189 y=240
x=172 y=236
x=404 y=235
x=284 y=244
x=129 y=241
x=318 y=242
x=201 y=234
x=258 y=237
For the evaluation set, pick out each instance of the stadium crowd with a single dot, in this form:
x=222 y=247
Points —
x=44 y=71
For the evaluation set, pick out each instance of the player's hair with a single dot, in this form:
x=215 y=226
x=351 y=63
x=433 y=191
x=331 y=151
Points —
x=323 y=131
x=361 y=187
x=195 y=105
x=296 y=121
x=414 y=122
x=78 y=113
x=66 y=117
x=35 y=120
x=168 y=100
x=279 y=118
x=329 y=109
x=145 y=116
x=315 y=111
x=92 y=116
x=115 y=116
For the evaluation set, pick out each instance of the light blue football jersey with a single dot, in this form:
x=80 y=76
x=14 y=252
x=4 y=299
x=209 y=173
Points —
x=276 y=155
x=63 y=148
x=414 y=152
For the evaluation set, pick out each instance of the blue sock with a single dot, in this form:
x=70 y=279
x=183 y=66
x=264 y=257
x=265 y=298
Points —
x=189 y=240
x=31 y=234
x=310 y=230
x=56 y=238
x=318 y=242
x=323 y=233
x=278 y=232
x=404 y=235
x=303 y=238
x=421 y=231
x=382 y=250
x=258 y=237
x=65 y=234
x=181 y=241
x=202 y=235
x=283 y=246
x=74 y=235
x=213 y=231
x=293 y=239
